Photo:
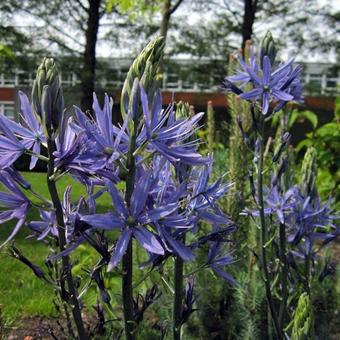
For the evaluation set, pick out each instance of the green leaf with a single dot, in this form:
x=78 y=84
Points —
x=297 y=115
x=311 y=117
x=304 y=144
x=6 y=52
x=329 y=129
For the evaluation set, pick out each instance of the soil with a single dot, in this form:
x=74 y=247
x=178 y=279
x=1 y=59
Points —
x=34 y=328
x=41 y=328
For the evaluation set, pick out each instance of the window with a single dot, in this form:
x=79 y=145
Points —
x=172 y=81
x=7 y=109
x=111 y=78
x=315 y=79
x=66 y=79
x=331 y=82
x=25 y=79
x=8 y=79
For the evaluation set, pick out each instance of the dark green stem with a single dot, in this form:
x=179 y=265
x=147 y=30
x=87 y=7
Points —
x=269 y=324
x=66 y=266
x=178 y=288
x=284 y=275
x=263 y=234
x=178 y=298
x=127 y=262
x=127 y=293
x=307 y=273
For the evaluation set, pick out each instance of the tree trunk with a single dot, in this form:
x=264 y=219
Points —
x=250 y=7
x=88 y=73
x=165 y=18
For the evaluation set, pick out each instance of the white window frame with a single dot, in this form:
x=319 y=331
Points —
x=14 y=83
x=2 y=107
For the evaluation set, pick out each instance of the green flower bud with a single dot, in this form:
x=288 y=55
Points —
x=211 y=126
x=183 y=110
x=134 y=98
x=144 y=67
x=47 y=96
x=268 y=48
x=309 y=173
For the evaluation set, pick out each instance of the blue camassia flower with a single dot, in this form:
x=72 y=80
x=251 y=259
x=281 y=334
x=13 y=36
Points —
x=217 y=260
x=99 y=131
x=310 y=221
x=90 y=145
x=269 y=85
x=277 y=203
x=306 y=220
x=133 y=221
x=168 y=136
x=47 y=226
x=13 y=204
x=16 y=177
x=204 y=196
x=21 y=137
x=11 y=148
x=85 y=147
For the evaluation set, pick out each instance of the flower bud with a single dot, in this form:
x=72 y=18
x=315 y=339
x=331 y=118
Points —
x=268 y=48
x=211 y=126
x=134 y=99
x=16 y=253
x=285 y=139
x=253 y=117
x=257 y=147
x=309 y=173
x=280 y=172
x=183 y=110
x=46 y=105
x=144 y=68
x=240 y=125
x=251 y=182
x=231 y=87
x=148 y=76
x=47 y=95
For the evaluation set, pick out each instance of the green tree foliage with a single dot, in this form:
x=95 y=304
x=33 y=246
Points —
x=63 y=28
x=134 y=8
x=14 y=44
x=326 y=142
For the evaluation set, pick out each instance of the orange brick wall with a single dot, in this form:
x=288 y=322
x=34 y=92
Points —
x=198 y=99
x=7 y=94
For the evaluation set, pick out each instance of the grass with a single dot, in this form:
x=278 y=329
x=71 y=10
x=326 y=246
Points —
x=21 y=293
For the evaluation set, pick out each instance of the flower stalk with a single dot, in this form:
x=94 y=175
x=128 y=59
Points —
x=263 y=233
x=66 y=266
x=178 y=297
x=284 y=275
x=127 y=262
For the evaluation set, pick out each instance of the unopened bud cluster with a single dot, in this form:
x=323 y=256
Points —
x=47 y=96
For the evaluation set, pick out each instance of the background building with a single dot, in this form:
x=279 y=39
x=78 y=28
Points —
x=184 y=79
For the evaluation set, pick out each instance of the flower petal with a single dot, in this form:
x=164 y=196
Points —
x=120 y=249
x=148 y=241
x=107 y=221
x=227 y=277
x=282 y=95
x=252 y=94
